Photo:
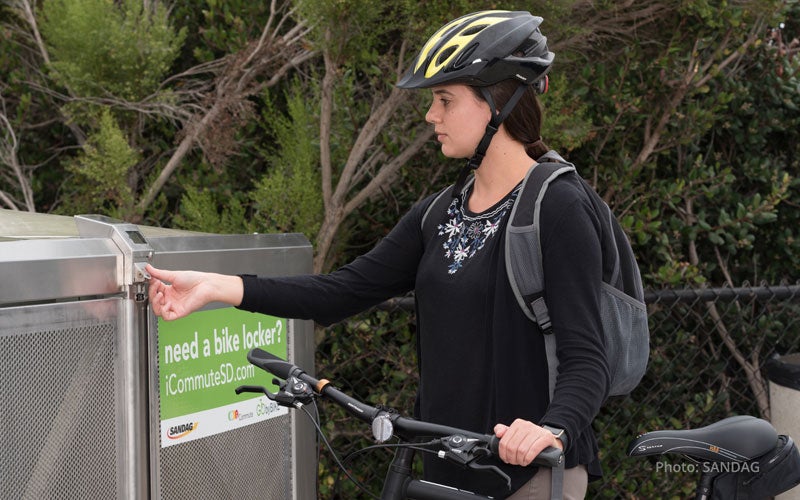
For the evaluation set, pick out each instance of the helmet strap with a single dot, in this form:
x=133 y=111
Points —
x=491 y=128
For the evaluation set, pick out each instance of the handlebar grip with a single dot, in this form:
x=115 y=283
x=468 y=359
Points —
x=271 y=363
x=549 y=457
x=494 y=445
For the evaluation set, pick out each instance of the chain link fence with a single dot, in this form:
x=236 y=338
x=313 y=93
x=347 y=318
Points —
x=708 y=352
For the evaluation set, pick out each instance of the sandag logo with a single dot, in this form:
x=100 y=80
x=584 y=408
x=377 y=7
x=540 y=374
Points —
x=179 y=431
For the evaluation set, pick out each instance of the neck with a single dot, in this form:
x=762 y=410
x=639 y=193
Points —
x=503 y=167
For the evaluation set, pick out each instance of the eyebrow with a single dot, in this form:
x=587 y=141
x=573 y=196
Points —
x=443 y=93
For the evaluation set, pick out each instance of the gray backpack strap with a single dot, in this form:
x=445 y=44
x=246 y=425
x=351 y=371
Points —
x=557 y=481
x=436 y=201
x=442 y=200
x=552 y=362
x=523 y=251
x=525 y=245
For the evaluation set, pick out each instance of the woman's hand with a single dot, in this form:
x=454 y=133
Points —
x=523 y=440
x=175 y=294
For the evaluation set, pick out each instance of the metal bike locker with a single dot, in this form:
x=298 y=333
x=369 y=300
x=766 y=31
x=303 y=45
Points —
x=79 y=402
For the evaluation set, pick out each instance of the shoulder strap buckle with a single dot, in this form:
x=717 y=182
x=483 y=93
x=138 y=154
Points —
x=539 y=310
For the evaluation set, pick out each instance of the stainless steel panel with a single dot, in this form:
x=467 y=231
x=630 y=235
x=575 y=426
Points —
x=18 y=225
x=47 y=270
x=285 y=254
x=135 y=250
x=133 y=404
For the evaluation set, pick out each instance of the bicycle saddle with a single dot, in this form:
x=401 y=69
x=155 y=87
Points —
x=734 y=439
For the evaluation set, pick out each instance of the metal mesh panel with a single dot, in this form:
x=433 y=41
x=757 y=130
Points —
x=249 y=462
x=57 y=419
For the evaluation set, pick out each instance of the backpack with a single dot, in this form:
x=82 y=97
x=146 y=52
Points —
x=623 y=311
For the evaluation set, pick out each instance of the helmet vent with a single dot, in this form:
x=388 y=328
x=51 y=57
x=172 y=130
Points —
x=530 y=46
x=443 y=55
x=474 y=30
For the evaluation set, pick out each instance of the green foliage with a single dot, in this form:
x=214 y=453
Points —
x=352 y=30
x=704 y=209
x=565 y=124
x=227 y=26
x=199 y=211
x=714 y=185
x=101 y=171
x=288 y=198
x=100 y=47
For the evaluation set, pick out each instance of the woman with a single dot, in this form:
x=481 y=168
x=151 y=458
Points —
x=482 y=362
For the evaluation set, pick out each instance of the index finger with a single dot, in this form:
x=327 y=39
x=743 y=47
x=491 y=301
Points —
x=160 y=274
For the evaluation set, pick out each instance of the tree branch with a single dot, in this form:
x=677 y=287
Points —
x=325 y=128
x=8 y=201
x=381 y=179
x=751 y=369
x=9 y=147
x=366 y=136
x=237 y=79
x=26 y=11
x=696 y=75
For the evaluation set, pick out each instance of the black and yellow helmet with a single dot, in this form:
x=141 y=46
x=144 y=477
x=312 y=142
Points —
x=481 y=49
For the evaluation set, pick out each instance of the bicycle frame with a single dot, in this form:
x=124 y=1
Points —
x=398 y=484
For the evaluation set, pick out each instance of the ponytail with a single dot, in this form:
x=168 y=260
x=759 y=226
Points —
x=536 y=149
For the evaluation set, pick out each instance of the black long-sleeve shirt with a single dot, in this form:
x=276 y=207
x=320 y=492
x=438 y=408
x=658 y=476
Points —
x=482 y=361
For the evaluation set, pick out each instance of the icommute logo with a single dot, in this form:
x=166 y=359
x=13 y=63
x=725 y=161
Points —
x=233 y=415
x=179 y=431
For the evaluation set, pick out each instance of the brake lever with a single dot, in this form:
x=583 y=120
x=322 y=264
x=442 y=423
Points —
x=492 y=468
x=466 y=451
x=292 y=393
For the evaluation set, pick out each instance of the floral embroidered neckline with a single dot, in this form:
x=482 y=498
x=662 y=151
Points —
x=467 y=234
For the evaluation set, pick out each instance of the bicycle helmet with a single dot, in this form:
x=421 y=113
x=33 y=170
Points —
x=482 y=49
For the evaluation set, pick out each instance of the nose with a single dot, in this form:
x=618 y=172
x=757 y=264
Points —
x=432 y=116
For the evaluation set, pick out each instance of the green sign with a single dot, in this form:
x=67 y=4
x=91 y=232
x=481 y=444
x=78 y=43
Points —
x=202 y=358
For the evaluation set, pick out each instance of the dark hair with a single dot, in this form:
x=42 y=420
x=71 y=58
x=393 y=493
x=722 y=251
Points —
x=524 y=124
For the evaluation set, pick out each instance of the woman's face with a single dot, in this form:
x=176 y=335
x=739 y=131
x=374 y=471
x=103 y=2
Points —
x=459 y=119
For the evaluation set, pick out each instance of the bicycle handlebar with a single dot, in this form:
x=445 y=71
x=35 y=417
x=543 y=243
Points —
x=407 y=428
